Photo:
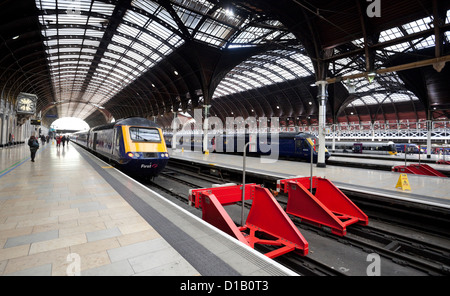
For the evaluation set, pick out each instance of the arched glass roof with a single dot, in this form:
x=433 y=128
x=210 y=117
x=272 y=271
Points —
x=88 y=61
x=121 y=55
x=266 y=69
x=97 y=48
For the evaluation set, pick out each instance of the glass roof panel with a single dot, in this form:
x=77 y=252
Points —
x=424 y=43
x=74 y=30
x=418 y=25
x=390 y=34
x=266 y=69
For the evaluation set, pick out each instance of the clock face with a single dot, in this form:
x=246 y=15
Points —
x=25 y=105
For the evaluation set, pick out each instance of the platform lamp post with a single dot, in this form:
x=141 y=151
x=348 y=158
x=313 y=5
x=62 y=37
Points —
x=205 y=129
x=252 y=143
x=322 y=96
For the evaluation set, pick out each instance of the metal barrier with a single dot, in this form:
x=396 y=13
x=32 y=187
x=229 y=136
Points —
x=317 y=201
x=266 y=223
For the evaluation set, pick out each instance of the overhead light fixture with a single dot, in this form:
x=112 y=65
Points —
x=350 y=86
x=175 y=72
x=16 y=37
x=371 y=76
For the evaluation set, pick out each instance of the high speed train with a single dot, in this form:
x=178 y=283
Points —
x=134 y=144
x=288 y=145
x=383 y=148
x=410 y=148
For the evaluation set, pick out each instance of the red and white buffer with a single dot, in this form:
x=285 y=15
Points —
x=266 y=223
x=327 y=206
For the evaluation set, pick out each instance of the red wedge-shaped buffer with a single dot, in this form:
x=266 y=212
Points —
x=418 y=169
x=327 y=207
x=266 y=224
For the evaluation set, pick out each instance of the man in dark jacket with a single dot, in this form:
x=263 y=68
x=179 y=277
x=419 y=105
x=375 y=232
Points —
x=34 y=146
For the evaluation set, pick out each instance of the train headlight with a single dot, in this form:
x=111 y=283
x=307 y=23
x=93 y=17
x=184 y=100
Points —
x=134 y=155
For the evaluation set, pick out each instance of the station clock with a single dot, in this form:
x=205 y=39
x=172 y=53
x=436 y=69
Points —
x=26 y=103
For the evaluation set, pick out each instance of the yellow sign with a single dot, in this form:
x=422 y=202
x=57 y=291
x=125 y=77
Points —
x=403 y=182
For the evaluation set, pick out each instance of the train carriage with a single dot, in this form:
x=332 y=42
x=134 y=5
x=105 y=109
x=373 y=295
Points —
x=134 y=144
x=287 y=145
x=381 y=148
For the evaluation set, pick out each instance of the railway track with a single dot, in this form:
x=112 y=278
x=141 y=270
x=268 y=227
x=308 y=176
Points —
x=400 y=253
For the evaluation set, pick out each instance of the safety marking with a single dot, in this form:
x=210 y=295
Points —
x=107 y=167
x=17 y=164
x=212 y=164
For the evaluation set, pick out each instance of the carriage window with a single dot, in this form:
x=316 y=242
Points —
x=139 y=134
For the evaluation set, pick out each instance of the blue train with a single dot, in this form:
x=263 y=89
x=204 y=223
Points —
x=410 y=148
x=134 y=144
x=284 y=145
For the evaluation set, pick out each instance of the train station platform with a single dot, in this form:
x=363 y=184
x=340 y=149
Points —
x=69 y=213
x=391 y=160
x=433 y=191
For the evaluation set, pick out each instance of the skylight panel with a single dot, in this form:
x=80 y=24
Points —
x=390 y=34
x=399 y=97
x=356 y=103
x=189 y=18
x=261 y=78
x=419 y=25
x=247 y=77
x=425 y=43
x=127 y=30
x=159 y=30
x=150 y=40
x=402 y=47
x=136 y=18
x=102 y=8
x=285 y=74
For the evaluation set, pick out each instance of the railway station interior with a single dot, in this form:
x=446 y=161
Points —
x=355 y=93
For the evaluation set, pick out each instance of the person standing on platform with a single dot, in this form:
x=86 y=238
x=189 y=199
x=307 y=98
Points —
x=34 y=146
x=63 y=141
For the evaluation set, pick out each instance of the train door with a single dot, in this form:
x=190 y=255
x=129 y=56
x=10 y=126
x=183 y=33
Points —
x=117 y=138
x=94 y=142
x=298 y=146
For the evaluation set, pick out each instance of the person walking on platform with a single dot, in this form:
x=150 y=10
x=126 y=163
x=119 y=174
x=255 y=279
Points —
x=58 y=141
x=63 y=141
x=34 y=146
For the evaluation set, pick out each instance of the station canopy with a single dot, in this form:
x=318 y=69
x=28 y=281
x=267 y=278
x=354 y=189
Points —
x=105 y=59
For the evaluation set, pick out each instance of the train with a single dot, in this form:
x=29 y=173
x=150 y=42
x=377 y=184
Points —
x=410 y=148
x=381 y=148
x=284 y=145
x=135 y=145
